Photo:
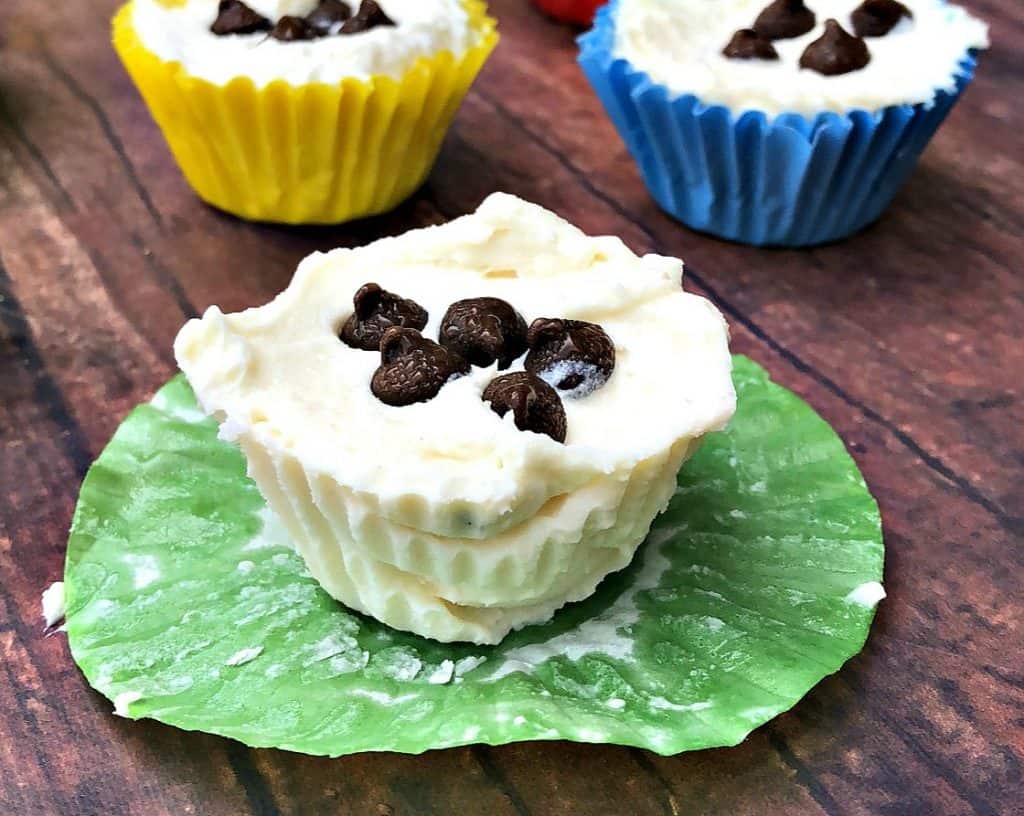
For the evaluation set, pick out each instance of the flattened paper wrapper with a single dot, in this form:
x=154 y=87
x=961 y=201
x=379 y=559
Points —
x=186 y=603
x=784 y=181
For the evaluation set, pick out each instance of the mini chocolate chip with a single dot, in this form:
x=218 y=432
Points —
x=835 y=52
x=534 y=404
x=748 y=44
x=377 y=310
x=327 y=18
x=412 y=368
x=876 y=18
x=289 y=29
x=235 y=17
x=784 y=19
x=483 y=330
x=572 y=355
x=370 y=15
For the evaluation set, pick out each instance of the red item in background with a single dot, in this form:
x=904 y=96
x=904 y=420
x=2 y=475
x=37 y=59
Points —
x=580 y=12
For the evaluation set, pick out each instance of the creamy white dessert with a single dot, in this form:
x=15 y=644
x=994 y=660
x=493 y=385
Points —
x=679 y=44
x=179 y=31
x=53 y=603
x=442 y=517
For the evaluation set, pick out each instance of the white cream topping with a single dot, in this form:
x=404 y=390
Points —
x=243 y=656
x=869 y=594
x=53 y=603
x=181 y=33
x=123 y=702
x=442 y=517
x=679 y=44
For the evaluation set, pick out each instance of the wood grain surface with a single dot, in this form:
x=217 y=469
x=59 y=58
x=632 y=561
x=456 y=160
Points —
x=907 y=338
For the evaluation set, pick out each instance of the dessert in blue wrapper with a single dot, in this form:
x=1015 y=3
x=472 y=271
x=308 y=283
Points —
x=782 y=124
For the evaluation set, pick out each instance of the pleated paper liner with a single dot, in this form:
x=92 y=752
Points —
x=487 y=584
x=187 y=604
x=315 y=153
x=787 y=181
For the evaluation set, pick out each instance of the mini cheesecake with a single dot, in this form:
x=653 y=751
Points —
x=468 y=426
x=798 y=56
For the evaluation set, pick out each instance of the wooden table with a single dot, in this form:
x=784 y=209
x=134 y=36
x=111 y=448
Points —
x=907 y=338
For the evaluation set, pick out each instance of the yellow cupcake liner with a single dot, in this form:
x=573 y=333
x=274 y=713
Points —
x=312 y=154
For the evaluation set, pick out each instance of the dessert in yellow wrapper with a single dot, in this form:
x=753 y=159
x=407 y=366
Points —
x=277 y=121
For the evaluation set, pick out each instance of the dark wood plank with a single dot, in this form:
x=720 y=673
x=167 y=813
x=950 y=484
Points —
x=907 y=338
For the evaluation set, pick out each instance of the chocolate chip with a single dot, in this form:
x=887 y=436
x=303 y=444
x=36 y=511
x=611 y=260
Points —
x=572 y=355
x=377 y=310
x=327 y=18
x=748 y=44
x=412 y=368
x=235 y=17
x=483 y=330
x=784 y=19
x=876 y=18
x=835 y=52
x=370 y=15
x=290 y=29
x=534 y=404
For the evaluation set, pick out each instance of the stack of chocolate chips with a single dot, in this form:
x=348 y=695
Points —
x=570 y=358
x=835 y=52
x=329 y=18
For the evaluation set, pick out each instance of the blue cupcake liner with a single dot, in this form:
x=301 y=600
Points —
x=788 y=181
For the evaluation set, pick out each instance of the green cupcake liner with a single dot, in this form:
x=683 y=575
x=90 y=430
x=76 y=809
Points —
x=187 y=604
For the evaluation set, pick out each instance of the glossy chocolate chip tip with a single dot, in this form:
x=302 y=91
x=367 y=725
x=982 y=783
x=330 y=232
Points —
x=574 y=356
x=370 y=15
x=835 y=52
x=412 y=368
x=327 y=18
x=534 y=404
x=748 y=44
x=484 y=330
x=784 y=19
x=235 y=17
x=876 y=18
x=377 y=310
